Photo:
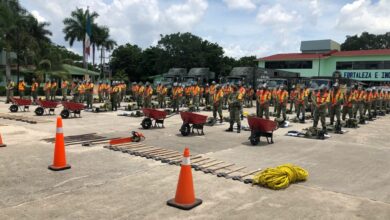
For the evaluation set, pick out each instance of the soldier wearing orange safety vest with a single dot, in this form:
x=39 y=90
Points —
x=360 y=96
x=217 y=103
x=300 y=102
x=263 y=98
x=212 y=90
x=114 y=93
x=368 y=103
x=148 y=92
x=21 y=88
x=53 y=90
x=242 y=91
x=64 y=89
x=46 y=89
x=274 y=96
x=336 y=100
x=292 y=99
x=177 y=92
x=249 y=96
x=348 y=105
x=34 y=90
x=195 y=95
x=321 y=103
x=282 y=99
x=227 y=90
x=235 y=106
x=160 y=90
x=140 y=93
x=101 y=88
x=89 y=93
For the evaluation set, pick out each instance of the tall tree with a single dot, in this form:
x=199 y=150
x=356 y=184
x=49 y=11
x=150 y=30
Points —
x=10 y=14
x=76 y=26
x=126 y=58
x=367 y=41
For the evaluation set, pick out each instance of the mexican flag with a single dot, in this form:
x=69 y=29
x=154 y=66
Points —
x=88 y=35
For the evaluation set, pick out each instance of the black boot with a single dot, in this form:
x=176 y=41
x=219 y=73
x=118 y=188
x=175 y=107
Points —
x=238 y=128
x=221 y=120
x=230 y=129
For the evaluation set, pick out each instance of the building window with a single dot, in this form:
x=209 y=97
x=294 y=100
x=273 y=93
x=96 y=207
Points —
x=344 y=65
x=363 y=65
x=307 y=64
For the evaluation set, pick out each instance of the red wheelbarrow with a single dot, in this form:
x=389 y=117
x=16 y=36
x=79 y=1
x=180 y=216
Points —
x=45 y=107
x=192 y=121
x=71 y=107
x=151 y=115
x=22 y=104
x=261 y=127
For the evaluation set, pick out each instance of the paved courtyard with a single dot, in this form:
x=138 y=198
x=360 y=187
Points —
x=349 y=174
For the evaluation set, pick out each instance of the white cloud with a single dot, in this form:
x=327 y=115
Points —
x=365 y=15
x=240 y=4
x=38 y=16
x=277 y=15
x=184 y=16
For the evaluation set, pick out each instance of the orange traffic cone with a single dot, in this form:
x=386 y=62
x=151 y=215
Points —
x=59 y=162
x=185 y=195
x=1 y=142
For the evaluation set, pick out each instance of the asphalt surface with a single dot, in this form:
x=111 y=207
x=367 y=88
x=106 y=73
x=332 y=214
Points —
x=348 y=174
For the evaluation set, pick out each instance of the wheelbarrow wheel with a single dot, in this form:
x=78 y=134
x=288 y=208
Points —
x=65 y=113
x=254 y=139
x=39 y=111
x=185 y=129
x=146 y=123
x=13 y=108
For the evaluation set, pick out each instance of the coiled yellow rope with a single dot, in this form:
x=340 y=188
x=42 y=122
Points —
x=280 y=177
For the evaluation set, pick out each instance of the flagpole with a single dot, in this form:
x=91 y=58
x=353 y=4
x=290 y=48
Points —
x=88 y=26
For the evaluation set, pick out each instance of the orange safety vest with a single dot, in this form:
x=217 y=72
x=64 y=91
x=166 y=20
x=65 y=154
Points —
x=148 y=91
x=218 y=96
x=348 y=101
x=301 y=96
x=195 y=90
x=360 y=96
x=263 y=96
x=242 y=90
x=47 y=86
x=226 y=90
x=34 y=86
x=337 y=97
x=369 y=96
x=282 y=96
x=159 y=89
x=64 y=84
x=293 y=94
x=22 y=86
x=321 y=99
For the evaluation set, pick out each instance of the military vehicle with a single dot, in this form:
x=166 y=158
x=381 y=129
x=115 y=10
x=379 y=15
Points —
x=278 y=78
x=252 y=76
x=199 y=75
x=173 y=75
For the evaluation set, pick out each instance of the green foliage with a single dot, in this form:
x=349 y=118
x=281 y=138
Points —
x=367 y=41
x=126 y=58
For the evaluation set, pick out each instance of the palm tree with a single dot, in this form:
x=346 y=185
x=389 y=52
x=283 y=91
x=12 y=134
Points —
x=75 y=26
x=104 y=41
x=10 y=14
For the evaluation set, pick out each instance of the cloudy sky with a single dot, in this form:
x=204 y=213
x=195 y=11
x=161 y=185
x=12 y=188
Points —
x=241 y=27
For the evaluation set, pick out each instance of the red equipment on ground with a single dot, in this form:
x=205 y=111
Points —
x=151 y=115
x=22 y=104
x=192 y=121
x=47 y=107
x=137 y=137
x=71 y=107
x=261 y=127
